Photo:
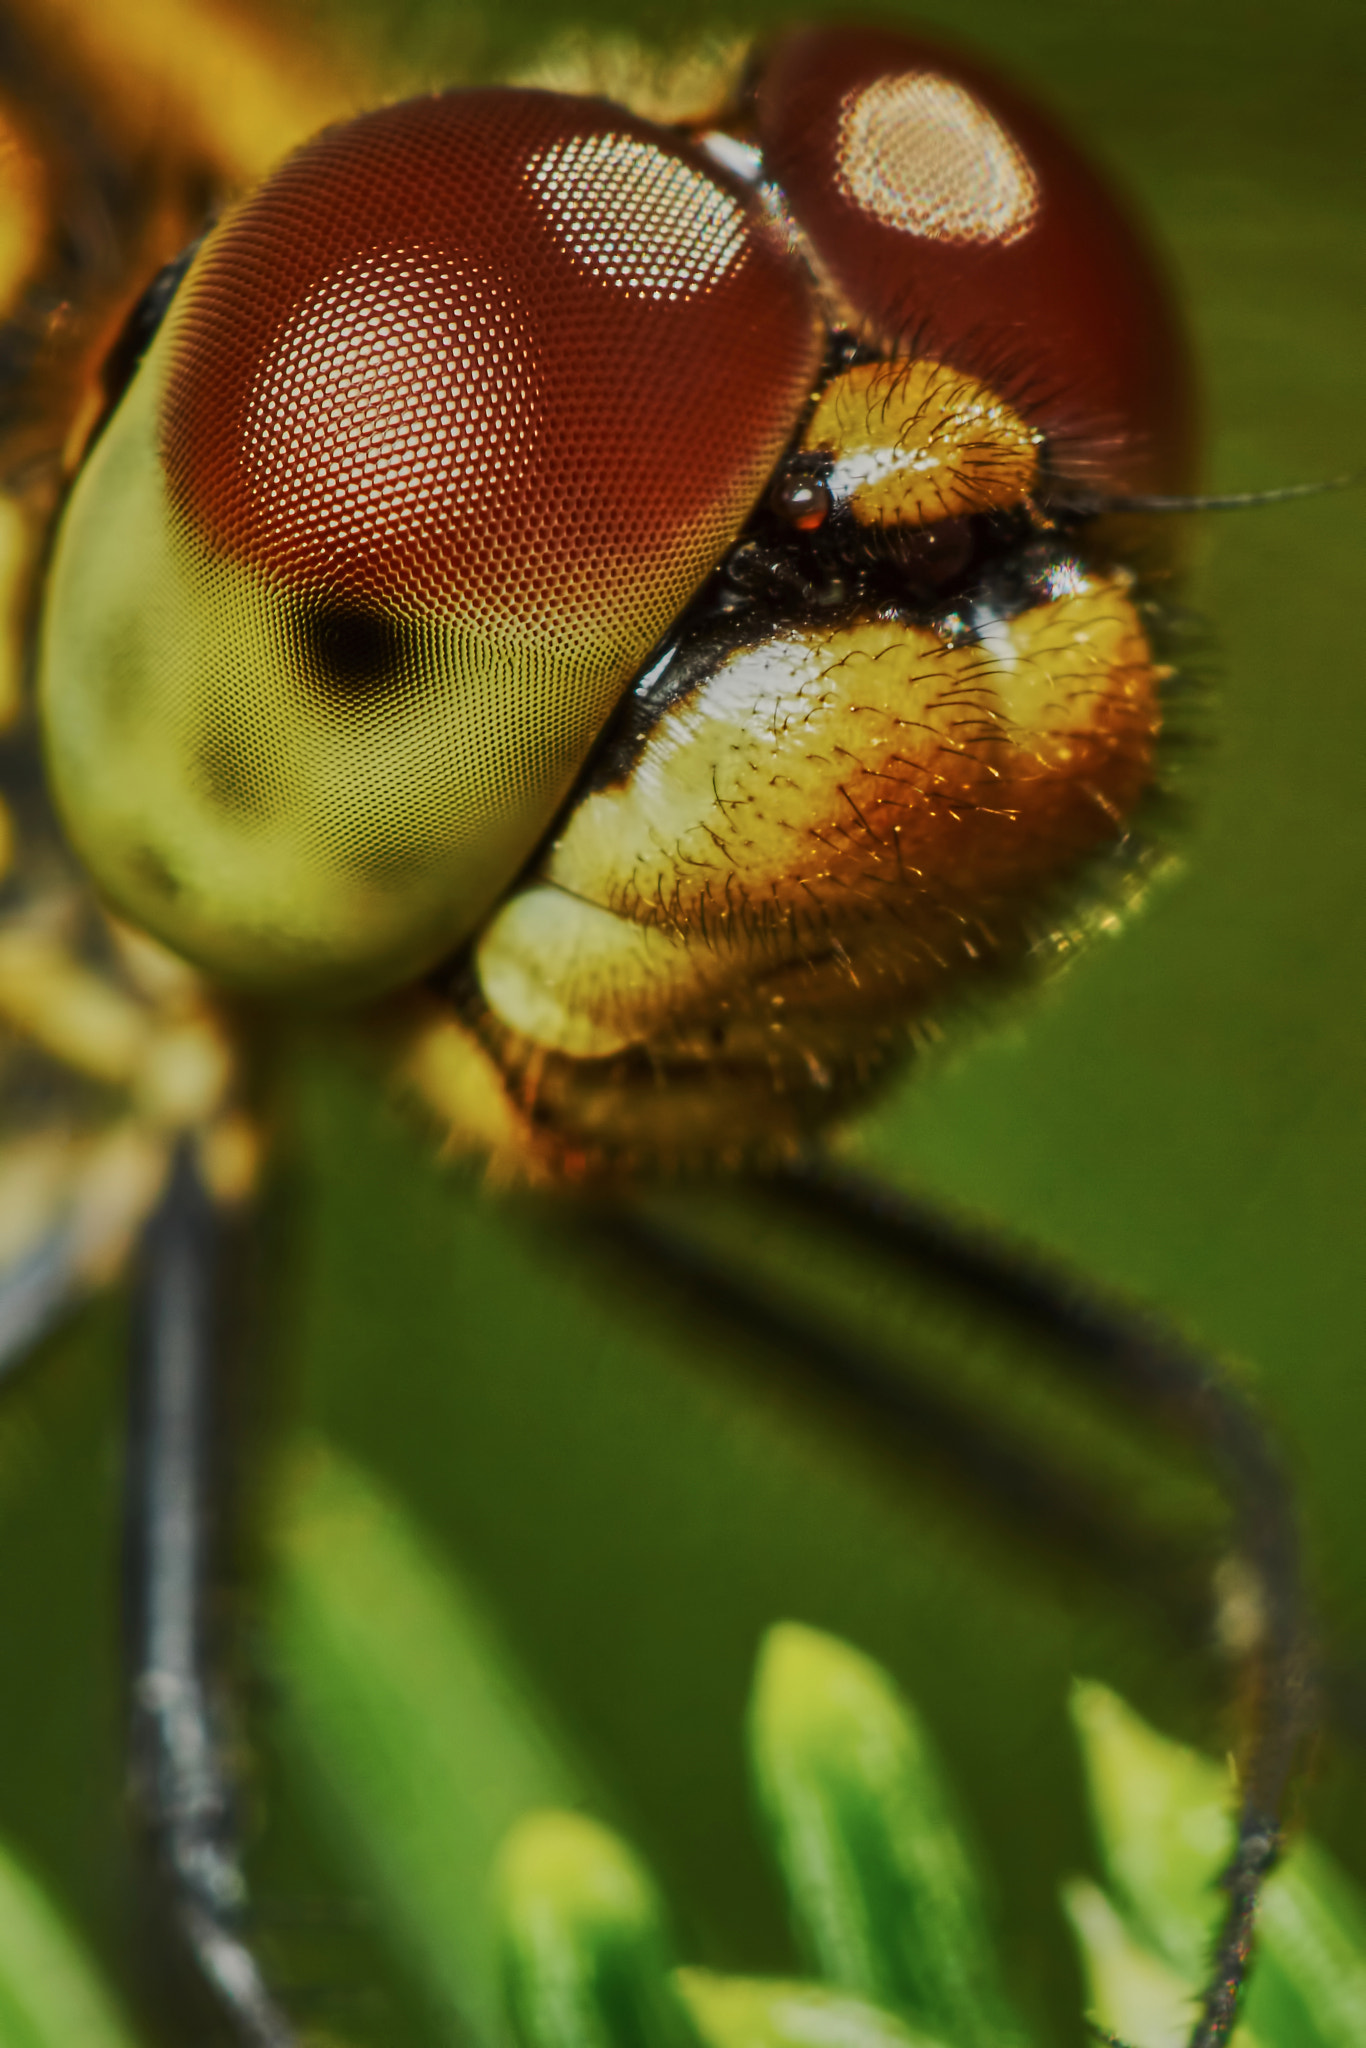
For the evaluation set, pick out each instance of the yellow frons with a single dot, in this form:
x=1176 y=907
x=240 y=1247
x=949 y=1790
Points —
x=915 y=442
x=572 y=976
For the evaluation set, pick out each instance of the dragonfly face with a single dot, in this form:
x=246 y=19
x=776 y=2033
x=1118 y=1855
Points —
x=788 y=434
x=976 y=1120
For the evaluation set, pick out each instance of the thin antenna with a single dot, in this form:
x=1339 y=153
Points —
x=1228 y=501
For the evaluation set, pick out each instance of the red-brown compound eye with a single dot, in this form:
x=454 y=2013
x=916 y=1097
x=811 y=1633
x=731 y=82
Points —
x=961 y=224
x=443 y=429
x=508 y=356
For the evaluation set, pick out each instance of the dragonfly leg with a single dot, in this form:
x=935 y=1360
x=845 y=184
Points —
x=1149 y=1366
x=1126 y=1353
x=182 y=1785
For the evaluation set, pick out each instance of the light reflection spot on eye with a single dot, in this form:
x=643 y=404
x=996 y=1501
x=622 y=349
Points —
x=923 y=154
x=364 y=397
x=637 y=216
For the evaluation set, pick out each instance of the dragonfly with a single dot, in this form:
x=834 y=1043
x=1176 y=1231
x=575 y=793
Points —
x=968 y=1114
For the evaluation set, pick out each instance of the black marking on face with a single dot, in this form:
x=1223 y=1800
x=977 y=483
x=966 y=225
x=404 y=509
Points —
x=140 y=328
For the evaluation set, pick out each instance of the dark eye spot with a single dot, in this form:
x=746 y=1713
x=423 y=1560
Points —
x=354 y=654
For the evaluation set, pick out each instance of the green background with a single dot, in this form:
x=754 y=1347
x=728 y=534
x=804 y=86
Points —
x=1183 y=1114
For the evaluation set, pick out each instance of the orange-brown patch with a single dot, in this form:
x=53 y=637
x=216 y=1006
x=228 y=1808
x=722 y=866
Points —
x=913 y=442
x=842 y=828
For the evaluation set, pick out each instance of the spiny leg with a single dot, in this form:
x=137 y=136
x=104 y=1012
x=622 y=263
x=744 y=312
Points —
x=1001 y=1470
x=181 y=1781
x=184 y=1786
x=1134 y=1355
x=1130 y=1355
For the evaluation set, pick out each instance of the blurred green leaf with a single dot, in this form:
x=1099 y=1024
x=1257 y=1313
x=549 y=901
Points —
x=774 y=2012
x=420 y=1738
x=586 y=1959
x=51 y=1996
x=1164 y=1823
x=885 y=1900
x=1314 y=1936
x=1162 y=1815
x=1129 y=1990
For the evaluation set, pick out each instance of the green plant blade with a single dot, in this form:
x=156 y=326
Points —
x=586 y=1958
x=775 y=2012
x=417 y=1736
x=1314 y=1945
x=884 y=1898
x=1129 y=1990
x=51 y=1995
x=1164 y=1821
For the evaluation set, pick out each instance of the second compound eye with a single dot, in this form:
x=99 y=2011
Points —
x=956 y=218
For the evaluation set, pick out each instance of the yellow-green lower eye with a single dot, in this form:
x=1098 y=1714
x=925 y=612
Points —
x=428 y=454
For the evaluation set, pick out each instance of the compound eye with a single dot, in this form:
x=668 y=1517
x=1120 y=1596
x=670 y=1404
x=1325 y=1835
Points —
x=441 y=431
x=354 y=654
x=960 y=223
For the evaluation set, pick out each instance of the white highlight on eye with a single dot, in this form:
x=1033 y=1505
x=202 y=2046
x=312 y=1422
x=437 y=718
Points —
x=923 y=154
x=638 y=217
x=741 y=159
x=401 y=390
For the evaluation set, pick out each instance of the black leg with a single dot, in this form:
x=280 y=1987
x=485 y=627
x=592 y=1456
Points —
x=1129 y=1355
x=1136 y=1357
x=1005 y=1476
x=181 y=1783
